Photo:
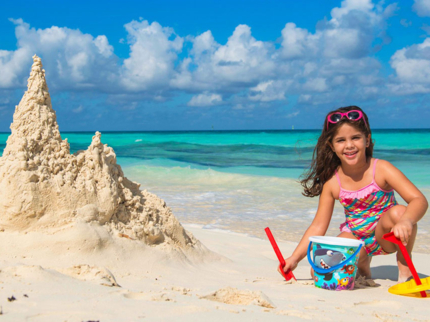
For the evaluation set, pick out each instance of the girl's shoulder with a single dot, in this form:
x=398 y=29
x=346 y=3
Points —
x=332 y=187
x=383 y=165
x=383 y=170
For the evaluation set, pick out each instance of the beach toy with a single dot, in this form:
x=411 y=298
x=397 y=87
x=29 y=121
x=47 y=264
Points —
x=289 y=275
x=334 y=260
x=413 y=286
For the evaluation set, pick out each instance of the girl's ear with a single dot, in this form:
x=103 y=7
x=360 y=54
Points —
x=369 y=139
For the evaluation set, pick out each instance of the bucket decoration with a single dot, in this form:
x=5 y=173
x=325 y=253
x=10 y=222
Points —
x=334 y=260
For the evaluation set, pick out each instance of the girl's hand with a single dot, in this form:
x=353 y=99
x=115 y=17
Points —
x=290 y=264
x=403 y=230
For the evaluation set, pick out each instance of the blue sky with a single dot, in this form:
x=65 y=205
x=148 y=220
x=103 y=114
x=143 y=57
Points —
x=198 y=65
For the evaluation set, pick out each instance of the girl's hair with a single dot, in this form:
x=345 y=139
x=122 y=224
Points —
x=324 y=160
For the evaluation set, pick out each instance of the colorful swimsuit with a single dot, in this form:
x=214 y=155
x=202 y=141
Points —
x=363 y=209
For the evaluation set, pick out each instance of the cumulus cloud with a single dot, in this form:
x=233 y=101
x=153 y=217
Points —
x=334 y=61
x=72 y=59
x=269 y=91
x=322 y=62
x=205 y=99
x=152 y=55
x=331 y=62
x=348 y=34
x=242 y=62
x=298 y=42
x=412 y=66
x=422 y=8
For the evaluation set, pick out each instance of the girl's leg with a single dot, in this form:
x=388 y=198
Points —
x=363 y=265
x=385 y=224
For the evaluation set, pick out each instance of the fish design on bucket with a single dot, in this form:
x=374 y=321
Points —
x=326 y=258
x=343 y=282
x=348 y=269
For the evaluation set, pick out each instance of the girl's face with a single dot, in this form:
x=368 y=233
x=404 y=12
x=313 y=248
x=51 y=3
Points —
x=350 y=144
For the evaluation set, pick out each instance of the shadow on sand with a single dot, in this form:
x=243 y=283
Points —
x=388 y=272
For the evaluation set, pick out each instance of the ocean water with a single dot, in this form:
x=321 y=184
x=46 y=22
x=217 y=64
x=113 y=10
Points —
x=245 y=181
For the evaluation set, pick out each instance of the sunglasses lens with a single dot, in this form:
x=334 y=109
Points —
x=353 y=115
x=335 y=117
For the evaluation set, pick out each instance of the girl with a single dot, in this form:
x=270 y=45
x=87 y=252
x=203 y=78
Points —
x=343 y=168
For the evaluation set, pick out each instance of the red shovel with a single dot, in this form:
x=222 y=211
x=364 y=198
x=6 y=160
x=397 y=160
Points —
x=391 y=238
x=289 y=275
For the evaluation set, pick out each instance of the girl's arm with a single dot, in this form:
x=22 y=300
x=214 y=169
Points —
x=417 y=203
x=318 y=227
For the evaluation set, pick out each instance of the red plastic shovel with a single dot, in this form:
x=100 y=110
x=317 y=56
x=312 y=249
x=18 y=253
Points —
x=289 y=275
x=391 y=238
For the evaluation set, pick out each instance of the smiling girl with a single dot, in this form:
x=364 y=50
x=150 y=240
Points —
x=343 y=169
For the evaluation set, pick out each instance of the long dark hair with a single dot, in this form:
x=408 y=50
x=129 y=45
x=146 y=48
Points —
x=324 y=160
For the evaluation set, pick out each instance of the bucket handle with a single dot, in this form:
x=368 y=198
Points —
x=328 y=270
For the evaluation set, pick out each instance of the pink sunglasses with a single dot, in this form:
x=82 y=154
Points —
x=353 y=115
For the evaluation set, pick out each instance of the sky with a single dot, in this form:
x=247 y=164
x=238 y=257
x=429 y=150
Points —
x=225 y=65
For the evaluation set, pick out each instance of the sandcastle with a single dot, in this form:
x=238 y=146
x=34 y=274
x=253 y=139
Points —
x=43 y=186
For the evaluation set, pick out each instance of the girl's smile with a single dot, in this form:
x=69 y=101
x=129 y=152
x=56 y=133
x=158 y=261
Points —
x=350 y=155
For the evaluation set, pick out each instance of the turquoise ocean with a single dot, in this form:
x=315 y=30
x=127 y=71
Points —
x=244 y=181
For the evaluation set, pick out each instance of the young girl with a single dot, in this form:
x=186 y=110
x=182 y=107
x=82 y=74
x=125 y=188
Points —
x=343 y=168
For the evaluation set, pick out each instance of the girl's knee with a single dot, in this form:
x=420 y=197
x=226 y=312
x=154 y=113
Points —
x=396 y=213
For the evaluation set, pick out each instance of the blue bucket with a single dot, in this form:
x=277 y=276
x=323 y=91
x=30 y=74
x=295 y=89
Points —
x=334 y=260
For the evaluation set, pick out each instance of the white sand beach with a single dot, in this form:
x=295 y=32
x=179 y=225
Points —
x=128 y=282
x=80 y=242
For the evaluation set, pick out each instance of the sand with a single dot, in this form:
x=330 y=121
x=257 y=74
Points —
x=81 y=242
x=126 y=284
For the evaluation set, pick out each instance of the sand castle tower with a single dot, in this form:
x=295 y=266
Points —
x=42 y=185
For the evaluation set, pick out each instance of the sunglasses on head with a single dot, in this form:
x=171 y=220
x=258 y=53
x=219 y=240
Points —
x=353 y=115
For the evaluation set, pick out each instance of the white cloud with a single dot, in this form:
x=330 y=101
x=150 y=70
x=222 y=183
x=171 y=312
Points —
x=422 y=8
x=298 y=42
x=330 y=62
x=204 y=43
x=242 y=62
x=349 y=34
x=72 y=59
x=412 y=64
x=316 y=85
x=408 y=89
x=269 y=91
x=102 y=44
x=152 y=56
x=346 y=43
x=349 y=5
x=412 y=69
x=205 y=99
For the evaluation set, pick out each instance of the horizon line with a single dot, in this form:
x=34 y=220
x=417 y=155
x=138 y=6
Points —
x=211 y=130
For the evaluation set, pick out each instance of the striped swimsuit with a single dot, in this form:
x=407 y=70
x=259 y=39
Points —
x=363 y=209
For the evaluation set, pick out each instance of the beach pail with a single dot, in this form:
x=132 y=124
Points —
x=334 y=260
